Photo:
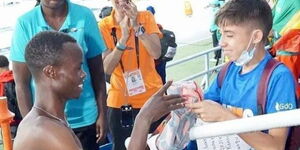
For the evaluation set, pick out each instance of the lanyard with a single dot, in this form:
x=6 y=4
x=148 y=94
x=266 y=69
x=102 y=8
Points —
x=114 y=35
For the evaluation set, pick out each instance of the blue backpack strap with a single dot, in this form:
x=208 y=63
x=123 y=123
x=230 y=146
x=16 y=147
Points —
x=222 y=74
x=264 y=82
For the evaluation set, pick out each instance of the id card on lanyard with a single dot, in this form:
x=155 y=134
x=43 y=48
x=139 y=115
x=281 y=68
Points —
x=133 y=79
x=134 y=82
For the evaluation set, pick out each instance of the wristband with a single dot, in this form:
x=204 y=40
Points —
x=120 y=46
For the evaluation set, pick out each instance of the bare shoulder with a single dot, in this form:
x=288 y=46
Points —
x=41 y=132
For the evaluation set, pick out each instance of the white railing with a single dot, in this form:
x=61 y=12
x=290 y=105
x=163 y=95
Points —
x=207 y=70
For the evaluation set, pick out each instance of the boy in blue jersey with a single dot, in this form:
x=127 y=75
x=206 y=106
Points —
x=86 y=114
x=245 y=25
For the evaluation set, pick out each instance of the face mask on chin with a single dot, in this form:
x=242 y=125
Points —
x=246 y=55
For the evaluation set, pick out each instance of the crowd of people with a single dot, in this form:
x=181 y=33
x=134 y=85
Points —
x=61 y=58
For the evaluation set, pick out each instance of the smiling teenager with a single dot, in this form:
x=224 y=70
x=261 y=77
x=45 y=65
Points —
x=245 y=25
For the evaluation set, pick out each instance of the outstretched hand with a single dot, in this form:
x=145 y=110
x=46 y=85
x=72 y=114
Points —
x=159 y=104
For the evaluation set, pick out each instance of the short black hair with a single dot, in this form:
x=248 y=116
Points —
x=255 y=12
x=3 y=61
x=45 y=48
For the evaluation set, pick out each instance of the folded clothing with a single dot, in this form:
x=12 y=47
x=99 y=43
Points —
x=175 y=134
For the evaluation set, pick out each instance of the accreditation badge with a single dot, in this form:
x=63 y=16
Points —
x=134 y=82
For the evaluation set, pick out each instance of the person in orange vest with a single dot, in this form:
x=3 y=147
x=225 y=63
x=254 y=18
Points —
x=132 y=39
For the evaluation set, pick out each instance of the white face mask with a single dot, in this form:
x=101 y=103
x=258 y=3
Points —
x=246 y=55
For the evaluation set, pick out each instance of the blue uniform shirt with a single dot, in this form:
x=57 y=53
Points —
x=240 y=90
x=81 y=24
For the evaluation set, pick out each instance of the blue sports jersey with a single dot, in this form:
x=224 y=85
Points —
x=239 y=91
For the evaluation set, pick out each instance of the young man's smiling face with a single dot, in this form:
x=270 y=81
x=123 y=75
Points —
x=244 y=25
x=70 y=76
x=235 y=39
